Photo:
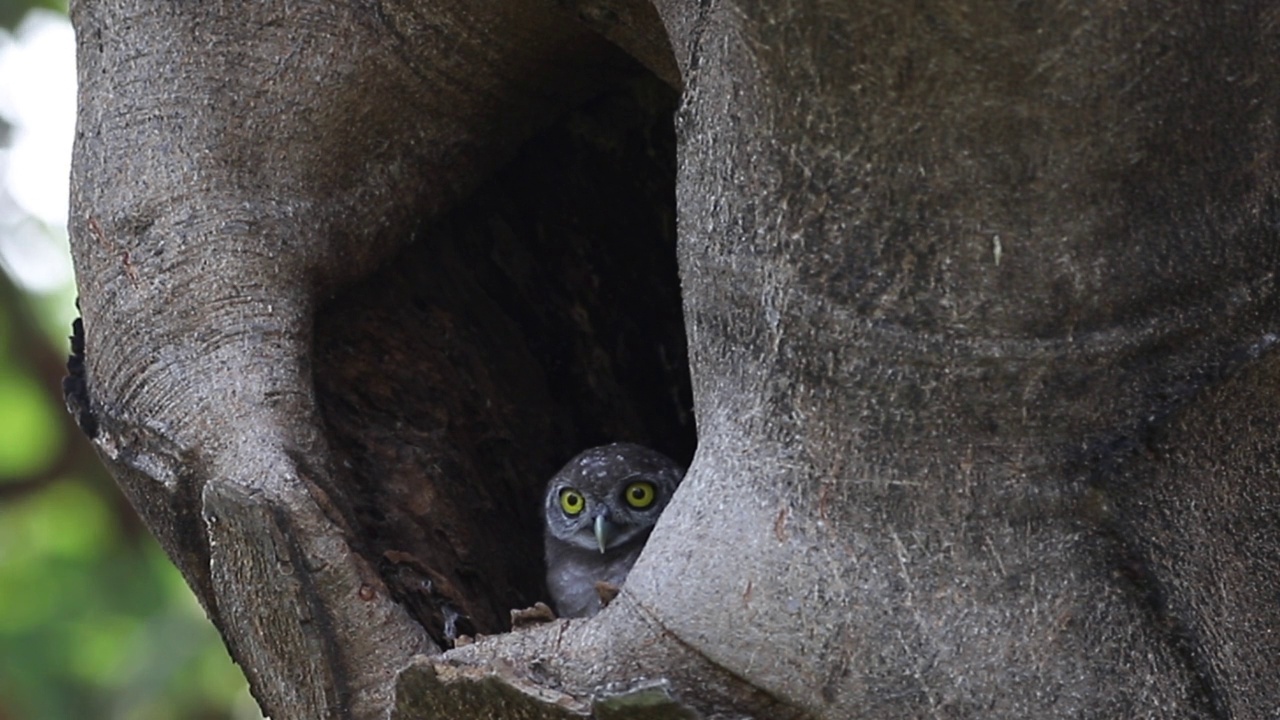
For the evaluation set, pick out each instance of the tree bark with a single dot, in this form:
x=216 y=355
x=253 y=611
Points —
x=980 y=304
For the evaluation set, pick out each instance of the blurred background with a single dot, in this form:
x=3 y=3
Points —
x=94 y=621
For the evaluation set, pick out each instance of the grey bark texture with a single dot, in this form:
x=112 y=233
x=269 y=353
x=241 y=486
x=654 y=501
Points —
x=981 y=313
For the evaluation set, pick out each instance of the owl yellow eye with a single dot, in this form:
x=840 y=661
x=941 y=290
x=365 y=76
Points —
x=571 y=501
x=640 y=495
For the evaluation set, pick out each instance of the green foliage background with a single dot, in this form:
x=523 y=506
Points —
x=12 y=11
x=94 y=620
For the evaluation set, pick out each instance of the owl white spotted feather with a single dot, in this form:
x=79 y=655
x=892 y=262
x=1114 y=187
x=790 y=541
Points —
x=599 y=510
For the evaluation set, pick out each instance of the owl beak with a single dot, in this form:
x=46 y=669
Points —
x=605 y=531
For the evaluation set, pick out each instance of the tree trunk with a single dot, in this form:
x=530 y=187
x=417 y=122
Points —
x=980 y=303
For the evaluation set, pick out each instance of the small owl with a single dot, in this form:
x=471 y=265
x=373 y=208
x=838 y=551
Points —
x=599 y=511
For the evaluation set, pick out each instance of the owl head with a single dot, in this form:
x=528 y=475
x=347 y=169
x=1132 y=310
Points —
x=609 y=496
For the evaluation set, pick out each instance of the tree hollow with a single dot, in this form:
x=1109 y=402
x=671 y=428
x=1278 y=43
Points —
x=539 y=317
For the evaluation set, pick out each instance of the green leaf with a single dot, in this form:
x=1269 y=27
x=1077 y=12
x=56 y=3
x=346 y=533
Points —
x=29 y=430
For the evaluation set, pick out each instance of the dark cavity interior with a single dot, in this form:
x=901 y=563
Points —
x=539 y=318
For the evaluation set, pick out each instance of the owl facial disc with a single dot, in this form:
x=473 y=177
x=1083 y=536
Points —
x=607 y=498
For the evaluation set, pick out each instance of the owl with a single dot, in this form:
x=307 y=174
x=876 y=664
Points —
x=599 y=510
